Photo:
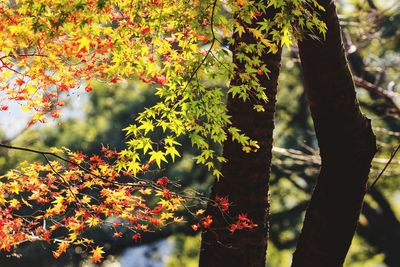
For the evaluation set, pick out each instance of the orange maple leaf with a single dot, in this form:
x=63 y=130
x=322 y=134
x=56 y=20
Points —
x=241 y=3
x=97 y=254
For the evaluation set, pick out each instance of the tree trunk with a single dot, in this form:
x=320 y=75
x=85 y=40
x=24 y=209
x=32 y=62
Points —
x=245 y=178
x=347 y=146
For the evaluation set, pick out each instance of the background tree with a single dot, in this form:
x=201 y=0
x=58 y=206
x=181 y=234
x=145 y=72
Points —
x=347 y=146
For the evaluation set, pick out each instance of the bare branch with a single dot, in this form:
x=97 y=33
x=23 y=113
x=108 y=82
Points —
x=387 y=95
x=384 y=168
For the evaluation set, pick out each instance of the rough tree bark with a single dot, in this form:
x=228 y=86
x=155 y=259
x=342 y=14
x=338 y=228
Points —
x=245 y=178
x=347 y=146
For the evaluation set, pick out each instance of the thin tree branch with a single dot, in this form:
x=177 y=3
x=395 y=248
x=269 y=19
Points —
x=388 y=96
x=384 y=168
x=372 y=5
x=47 y=153
x=143 y=183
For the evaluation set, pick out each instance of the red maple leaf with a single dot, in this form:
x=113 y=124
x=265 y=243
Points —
x=19 y=82
x=136 y=237
x=163 y=181
x=145 y=30
x=207 y=221
x=161 y=80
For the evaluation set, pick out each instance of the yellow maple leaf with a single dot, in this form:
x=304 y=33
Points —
x=2 y=200
x=14 y=203
x=166 y=215
x=97 y=254
x=178 y=219
x=93 y=221
x=84 y=42
x=200 y=211
x=158 y=156
x=146 y=191
x=286 y=38
x=86 y=199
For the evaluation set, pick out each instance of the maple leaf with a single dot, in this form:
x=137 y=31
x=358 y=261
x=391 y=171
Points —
x=93 y=221
x=89 y=88
x=19 y=82
x=97 y=254
x=232 y=228
x=55 y=114
x=117 y=235
x=171 y=150
x=46 y=236
x=14 y=204
x=203 y=38
x=178 y=219
x=145 y=30
x=157 y=209
x=62 y=248
x=63 y=87
x=84 y=44
x=158 y=156
x=166 y=193
x=200 y=212
x=166 y=215
x=161 y=80
x=147 y=126
x=195 y=227
x=146 y=191
x=241 y=3
x=115 y=79
x=243 y=217
x=222 y=202
x=286 y=38
x=136 y=237
x=163 y=181
x=207 y=221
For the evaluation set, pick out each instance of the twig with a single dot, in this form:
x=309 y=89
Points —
x=143 y=182
x=384 y=168
x=388 y=96
x=47 y=153
x=194 y=72
x=372 y=5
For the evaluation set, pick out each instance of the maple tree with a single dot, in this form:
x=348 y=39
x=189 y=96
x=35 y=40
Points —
x=184 y=50
x=52 y=47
